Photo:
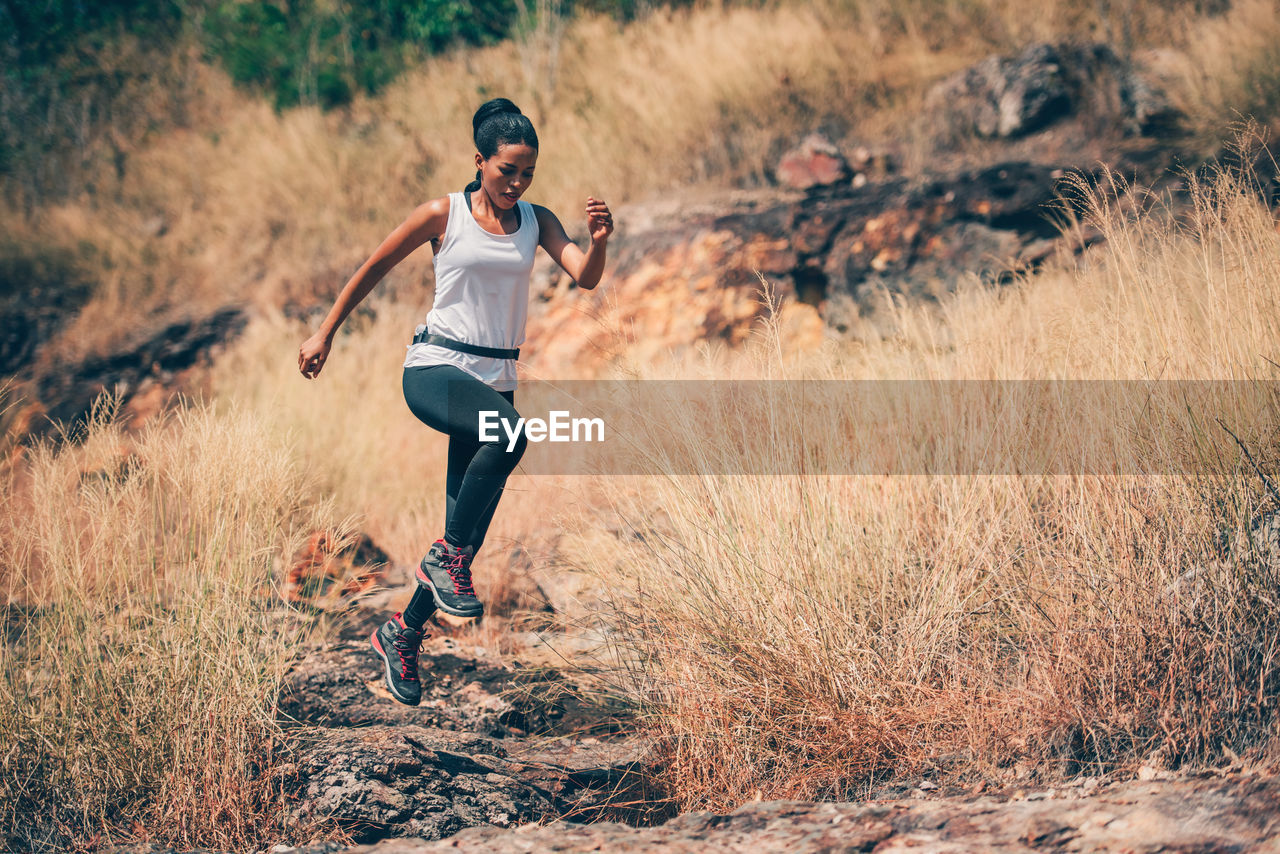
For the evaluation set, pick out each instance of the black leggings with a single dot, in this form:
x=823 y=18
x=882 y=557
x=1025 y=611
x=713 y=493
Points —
x=450 y=400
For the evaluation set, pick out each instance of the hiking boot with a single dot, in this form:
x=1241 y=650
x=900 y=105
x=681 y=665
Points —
x=446 y=572
x=398 y=645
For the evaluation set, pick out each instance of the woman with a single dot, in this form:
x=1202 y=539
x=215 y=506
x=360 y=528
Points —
x=463 y=360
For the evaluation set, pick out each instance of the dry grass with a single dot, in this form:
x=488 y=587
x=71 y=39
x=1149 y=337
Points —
x=803 y=636
x=1229 y=68
x=145 y=639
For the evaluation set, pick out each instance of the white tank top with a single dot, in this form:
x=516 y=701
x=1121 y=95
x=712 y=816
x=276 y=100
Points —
x=482 y=294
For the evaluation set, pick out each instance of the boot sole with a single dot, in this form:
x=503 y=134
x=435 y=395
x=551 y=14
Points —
x=377 y=647
x=425 y=581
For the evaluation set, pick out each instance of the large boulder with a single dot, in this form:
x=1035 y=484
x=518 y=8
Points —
x=1011 y=96
x=1004 y=96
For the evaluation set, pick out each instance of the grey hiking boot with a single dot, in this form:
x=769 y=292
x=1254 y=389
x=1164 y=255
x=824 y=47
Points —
x=397 y=645
x=446 y=572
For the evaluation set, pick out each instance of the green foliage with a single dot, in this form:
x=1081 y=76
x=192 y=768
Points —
x=72 y=70
x=294 y=51
x=312 y=52
x=68 y=68
x=36 y=33
x=435 y=24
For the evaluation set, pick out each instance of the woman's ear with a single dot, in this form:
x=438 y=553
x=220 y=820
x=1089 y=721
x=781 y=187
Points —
x=480 y=158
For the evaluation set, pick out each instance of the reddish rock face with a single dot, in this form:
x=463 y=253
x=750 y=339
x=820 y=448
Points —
x=815 y=162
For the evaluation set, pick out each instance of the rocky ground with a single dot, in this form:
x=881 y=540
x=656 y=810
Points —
x=1229 y=814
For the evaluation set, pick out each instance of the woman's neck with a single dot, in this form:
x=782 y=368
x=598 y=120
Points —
x=483 y=208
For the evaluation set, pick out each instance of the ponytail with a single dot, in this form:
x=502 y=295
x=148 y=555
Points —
x=474 y=185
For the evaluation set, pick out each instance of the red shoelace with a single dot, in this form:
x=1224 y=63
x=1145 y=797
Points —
x=459 y=569
x=407 y=647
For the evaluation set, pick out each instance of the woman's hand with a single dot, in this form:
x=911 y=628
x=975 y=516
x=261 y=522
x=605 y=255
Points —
x=312 y=354
x=599 y=220
x=584 y=267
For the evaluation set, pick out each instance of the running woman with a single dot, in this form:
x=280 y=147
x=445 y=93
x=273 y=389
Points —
x=463 y=359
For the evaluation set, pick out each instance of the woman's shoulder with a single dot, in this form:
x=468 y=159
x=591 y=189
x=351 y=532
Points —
x=439 y=205
x=544 y=216
x=431 y=215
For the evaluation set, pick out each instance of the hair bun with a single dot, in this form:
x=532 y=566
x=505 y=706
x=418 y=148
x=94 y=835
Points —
x=499 y=122
x=491 y=108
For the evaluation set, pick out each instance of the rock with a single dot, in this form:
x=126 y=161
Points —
x=342 y=685
x=1003 y=96
x=327 y=571
x=593 y=780
x=409 y=781
x=816 y=162
x=66 y=392
x=1011 y=96
x=690 y=274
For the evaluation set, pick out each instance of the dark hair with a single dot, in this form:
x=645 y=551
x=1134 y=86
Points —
x=499 y=122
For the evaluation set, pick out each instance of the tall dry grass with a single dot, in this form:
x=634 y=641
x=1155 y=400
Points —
x=1229 y=68
x=800 y=637
x=145 y=638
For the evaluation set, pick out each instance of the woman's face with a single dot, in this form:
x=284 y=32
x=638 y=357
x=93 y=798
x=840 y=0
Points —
x=508 y=173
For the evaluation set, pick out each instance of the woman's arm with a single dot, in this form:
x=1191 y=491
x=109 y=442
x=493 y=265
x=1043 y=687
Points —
x=427 y=222
x=585 y=267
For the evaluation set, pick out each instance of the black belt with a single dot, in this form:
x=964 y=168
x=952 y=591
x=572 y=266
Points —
x=425 y=337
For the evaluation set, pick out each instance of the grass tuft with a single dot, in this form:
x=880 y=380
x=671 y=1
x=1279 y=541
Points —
x=145 y=635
